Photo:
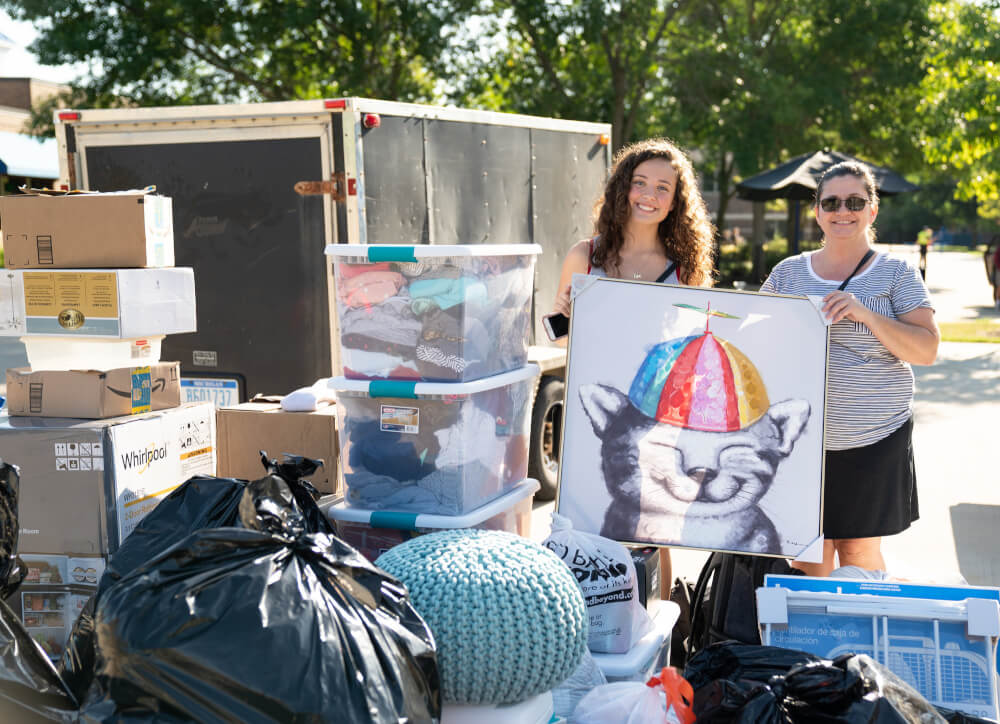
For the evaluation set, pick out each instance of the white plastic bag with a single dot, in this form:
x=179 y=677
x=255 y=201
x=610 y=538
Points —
x=586 y=678
x=665 y=698
x=604 y=570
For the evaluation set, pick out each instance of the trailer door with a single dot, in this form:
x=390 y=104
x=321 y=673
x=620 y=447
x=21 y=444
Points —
x=256 y=245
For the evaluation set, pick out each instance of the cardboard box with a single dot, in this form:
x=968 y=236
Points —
x=246 y=429
x=111 y=230
x=94 y=394
x=120 y=303
x=647 y=574
x=85 y=485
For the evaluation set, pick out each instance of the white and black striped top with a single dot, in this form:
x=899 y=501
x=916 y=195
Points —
x=869 y=390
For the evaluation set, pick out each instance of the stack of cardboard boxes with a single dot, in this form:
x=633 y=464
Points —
x=95 y=423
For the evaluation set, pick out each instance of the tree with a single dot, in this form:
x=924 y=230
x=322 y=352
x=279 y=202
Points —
x=745 y=83
x=771 y=79
x=961 y=104
x=157 y=52
x=579 y=59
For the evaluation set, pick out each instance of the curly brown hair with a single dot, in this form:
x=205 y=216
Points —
x=686 y=233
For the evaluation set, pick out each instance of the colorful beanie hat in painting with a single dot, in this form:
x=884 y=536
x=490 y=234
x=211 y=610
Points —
x=700 y=383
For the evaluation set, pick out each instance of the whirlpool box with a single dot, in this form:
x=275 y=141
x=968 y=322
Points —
x=85 y=485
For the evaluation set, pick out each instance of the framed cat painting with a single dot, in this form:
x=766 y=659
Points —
x=694 y=418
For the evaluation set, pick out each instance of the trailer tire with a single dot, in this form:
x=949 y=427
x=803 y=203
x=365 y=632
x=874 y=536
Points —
x=546 y=434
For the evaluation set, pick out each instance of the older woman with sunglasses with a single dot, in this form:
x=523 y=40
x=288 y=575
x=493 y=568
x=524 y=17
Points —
x=881 y=323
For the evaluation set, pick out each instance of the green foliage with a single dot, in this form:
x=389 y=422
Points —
x=961 y=104
x=734 y=261
x=159 y=52
x=578 y=59
x=773 y=79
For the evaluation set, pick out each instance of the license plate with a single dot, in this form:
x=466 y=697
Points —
x=224 y=392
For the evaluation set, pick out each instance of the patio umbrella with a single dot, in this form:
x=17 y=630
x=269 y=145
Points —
x=796 y=179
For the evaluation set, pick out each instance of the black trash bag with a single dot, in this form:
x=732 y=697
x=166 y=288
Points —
x=303 y=496
x=851 y=688
x=201 y=502
x=735 y=661
x=960 y=717
x=209 y=502
x=747 y=702
x=30 y=688
x=76 y=665
x=12 y=569
x=261 y=623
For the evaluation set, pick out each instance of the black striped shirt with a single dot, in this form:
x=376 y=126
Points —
x=869 y=390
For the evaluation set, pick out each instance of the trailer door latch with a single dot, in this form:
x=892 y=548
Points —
x=335 y=187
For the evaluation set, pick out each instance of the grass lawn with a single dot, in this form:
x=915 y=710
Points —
x=973 y=330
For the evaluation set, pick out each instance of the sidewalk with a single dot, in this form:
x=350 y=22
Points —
x=956 y=439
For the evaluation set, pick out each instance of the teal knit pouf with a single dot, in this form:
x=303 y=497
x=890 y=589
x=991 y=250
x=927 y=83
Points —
x=507 y=616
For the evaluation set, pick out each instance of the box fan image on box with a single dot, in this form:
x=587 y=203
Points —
x=697 y=424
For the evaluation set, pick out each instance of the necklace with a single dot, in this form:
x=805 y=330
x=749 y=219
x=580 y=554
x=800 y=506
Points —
x=637 y=275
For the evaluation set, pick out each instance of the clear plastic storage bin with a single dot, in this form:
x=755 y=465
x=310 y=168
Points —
x=428 y=447
x=442 y=313
x=373 y=532
x=649 y=654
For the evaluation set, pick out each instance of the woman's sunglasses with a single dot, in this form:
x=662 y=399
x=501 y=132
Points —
x=853 y=203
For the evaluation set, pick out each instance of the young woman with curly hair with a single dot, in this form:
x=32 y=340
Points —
x=650 y=219
x=651 y=225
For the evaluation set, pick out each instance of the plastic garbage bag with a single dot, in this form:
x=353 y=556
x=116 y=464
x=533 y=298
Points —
x=209 y=502
x=201 y=502
x=12 y=569
x=960 y=717
x=665 y=698
x=732 y=683
x=30 y=688
x=734 y=661
x=266 y=622
x=605 y=572
x=587 y=677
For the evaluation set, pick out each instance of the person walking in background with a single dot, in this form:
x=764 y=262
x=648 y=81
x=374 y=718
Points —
x=991 y=257
x=925 y=237
x=651 y=225
x=882 y=321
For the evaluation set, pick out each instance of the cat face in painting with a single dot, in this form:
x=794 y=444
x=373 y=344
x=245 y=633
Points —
x=689 y=487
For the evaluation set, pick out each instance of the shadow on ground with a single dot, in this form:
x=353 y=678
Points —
x=975 y=528
x=971 y=381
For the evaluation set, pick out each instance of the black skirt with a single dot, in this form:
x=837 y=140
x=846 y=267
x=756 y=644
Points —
x=871 y=491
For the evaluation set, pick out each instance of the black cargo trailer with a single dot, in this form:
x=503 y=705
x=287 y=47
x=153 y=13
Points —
x=259 y=189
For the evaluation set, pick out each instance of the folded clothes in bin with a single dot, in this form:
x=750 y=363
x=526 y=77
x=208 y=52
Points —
x=439 y=448
x=448 y=313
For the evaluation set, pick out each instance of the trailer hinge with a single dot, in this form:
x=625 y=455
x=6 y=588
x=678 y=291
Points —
x=335 y=187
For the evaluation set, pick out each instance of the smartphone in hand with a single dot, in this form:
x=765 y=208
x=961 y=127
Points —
x=556 y=325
